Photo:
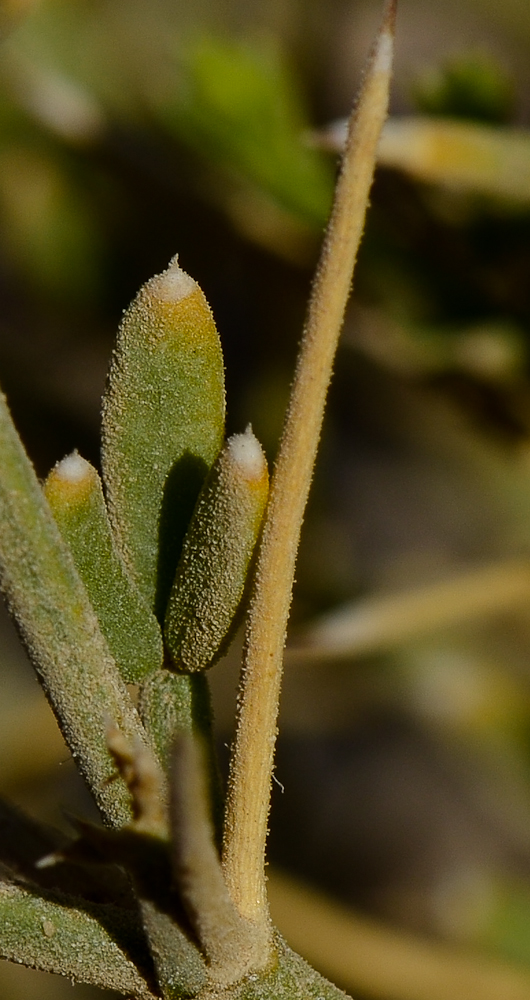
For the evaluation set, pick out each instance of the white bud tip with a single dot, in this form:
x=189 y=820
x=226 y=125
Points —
x=246 y=451
x=73 y=468
x=173 y=284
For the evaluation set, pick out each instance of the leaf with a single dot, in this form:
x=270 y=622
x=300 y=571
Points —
x=25 y=842
x=213 y=568
x=173 y=704
x=289 y=977
x=74 y=493
x=163 y=421
x=60 y=630
x=88 y=943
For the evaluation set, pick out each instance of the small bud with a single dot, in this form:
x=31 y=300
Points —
x=74 y=494
x=210 y=580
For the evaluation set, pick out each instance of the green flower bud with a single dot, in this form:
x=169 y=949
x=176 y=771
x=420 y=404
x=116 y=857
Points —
x=163 y=425
x=74 y=494
x=211 y=575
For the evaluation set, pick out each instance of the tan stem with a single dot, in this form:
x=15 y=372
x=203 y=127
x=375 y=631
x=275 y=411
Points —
x=253 y=751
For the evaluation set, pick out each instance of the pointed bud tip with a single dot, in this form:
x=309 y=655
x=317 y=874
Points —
x=173 y=284
x=247 y=452
x=73 y=469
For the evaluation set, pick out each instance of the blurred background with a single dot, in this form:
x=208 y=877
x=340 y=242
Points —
x=130 y=131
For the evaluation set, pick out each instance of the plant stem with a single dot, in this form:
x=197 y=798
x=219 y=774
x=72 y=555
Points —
x=253 y=751
x=228 y=941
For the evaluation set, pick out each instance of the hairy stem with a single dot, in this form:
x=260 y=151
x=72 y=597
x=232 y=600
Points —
x=252 y=755
x=229 y=942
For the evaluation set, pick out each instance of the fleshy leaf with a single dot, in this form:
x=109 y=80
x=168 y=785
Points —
x=170 y=703
x=89 y=943
x=288 y=977
x=213 y=568
x=74 y=493
x=163 y=421
x=59 y=628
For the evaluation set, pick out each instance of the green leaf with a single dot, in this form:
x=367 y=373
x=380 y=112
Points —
x=97 y=944
x=163 y=421
x=170 y=703
x=213 y=568
x=180 y=968
x=238 y=105
x=59 y=627
x=74 y=493
x=289 y=977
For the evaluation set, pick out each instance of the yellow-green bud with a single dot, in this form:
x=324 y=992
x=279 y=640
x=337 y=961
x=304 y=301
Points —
x=216 y=555
x=163 y=425
x=74 y=494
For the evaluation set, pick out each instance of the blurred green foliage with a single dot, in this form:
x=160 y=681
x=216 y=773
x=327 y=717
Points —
x=238 y=105
x=471 y=85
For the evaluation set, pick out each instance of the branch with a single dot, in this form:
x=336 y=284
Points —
x=252 y=755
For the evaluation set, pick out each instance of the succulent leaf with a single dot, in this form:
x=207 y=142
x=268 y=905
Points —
x=58 y=625
x=216 y=555
x=74 y=493
x=163 y=421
